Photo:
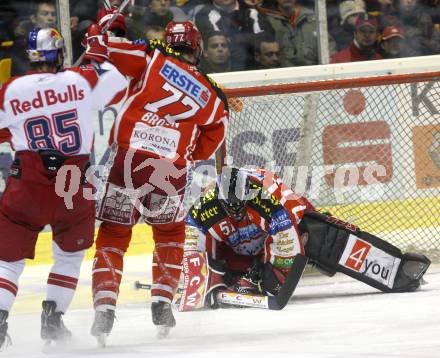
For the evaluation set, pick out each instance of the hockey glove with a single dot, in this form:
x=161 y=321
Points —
x=251 y=281
x=96 y=44
x=118 y=26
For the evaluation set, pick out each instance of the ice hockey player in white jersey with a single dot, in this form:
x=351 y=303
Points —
x=48 y=113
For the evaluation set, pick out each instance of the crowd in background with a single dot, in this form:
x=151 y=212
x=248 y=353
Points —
x=248 y=34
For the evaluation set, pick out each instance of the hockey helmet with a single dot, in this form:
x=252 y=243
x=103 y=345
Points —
x=44 y=45
x=184 y=36
x=233 y=188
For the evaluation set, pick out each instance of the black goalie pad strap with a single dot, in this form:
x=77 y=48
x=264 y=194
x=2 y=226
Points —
x=52 y=159
x=337 y=246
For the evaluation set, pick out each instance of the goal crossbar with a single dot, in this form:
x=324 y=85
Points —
x=327 y=85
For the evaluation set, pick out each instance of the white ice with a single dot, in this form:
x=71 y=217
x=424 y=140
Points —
x=328 y=317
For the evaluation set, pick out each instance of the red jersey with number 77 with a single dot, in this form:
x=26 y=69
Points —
x=172 y=110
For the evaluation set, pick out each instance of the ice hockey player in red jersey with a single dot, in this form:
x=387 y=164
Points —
x=173 y=115
x=253 y=229
x=48 y=114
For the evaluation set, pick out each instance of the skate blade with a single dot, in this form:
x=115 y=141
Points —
x=6 y=343
x=163 y=332
x=51 y=347
x=57 y=345
x=102 y=340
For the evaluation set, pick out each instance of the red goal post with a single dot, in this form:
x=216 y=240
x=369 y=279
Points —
x=366 y=148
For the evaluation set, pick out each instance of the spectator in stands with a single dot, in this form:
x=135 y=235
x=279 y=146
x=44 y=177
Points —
x=267 y=52
x=160 y=13
x=238 y=21
x=363 y=46
x=216 y=53
x=82 y=14
x=432 y=7
x=295 y=29
x=83 y=11
x=377 y=8
x=151 y=13
x=393 y=43
x=7 y=15
x=154 y=33
x=135 y=22
x=421 y=36
x=190 y=7
x=43 y=14
x=253 y=3
x=349 y=11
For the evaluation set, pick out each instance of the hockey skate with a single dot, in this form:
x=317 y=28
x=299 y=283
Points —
x=163 y=318
x=53 y=329
x=5 y=340
x=102 y=325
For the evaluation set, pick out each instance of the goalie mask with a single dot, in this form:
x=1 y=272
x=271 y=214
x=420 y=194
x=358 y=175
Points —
x=233 y=186
x=185 y=37
x=44 y=46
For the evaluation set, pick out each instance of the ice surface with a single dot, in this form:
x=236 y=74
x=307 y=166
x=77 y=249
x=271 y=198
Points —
x=328 y=317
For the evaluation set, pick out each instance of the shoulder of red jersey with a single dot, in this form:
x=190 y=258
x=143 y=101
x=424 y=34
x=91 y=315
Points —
x=207 y=211
x=168 y=51
x=217 y=88
x=162 y=47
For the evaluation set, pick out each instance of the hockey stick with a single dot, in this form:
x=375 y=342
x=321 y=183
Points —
x=146 y=286
x=105 y=28
x=277 y=302
x=107 y=4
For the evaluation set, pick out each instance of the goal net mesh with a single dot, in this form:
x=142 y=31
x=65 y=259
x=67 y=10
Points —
x=367 y=151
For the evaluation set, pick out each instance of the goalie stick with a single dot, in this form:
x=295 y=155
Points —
x=105 y=28
x=277 y=302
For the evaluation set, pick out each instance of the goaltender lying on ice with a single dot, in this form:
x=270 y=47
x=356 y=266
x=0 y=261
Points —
x=250 y=237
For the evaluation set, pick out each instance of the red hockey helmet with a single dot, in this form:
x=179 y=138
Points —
x=184 y=35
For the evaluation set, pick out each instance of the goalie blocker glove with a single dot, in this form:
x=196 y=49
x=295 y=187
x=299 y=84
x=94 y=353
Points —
x=336 y=246
x=261 y=279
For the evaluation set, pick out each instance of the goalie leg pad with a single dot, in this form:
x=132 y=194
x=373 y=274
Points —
x=325 y=242
x=195 y=277
x=337 y=246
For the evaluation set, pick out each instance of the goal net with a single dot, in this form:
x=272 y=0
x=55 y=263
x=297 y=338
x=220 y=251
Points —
x=367 y=149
